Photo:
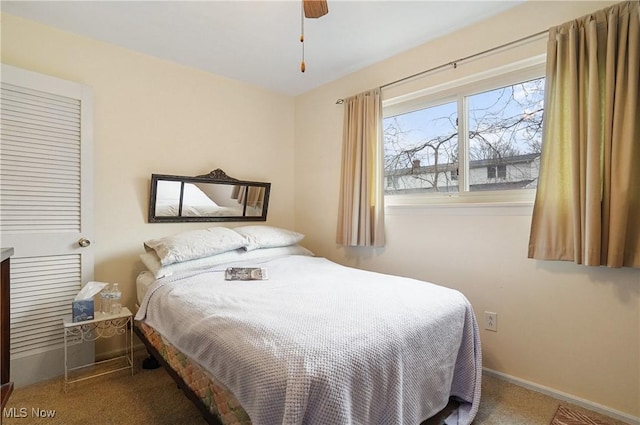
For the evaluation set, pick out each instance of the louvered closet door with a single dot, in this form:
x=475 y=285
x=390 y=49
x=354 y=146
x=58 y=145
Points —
x=45 y=206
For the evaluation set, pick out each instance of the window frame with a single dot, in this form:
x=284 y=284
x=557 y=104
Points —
x=459 y=90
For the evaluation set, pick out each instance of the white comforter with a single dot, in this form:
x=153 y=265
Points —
x=319 y=343
x=171 y=210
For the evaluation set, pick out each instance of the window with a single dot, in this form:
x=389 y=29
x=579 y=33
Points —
x=483 y=137
x=420 y=148
x=497 y=171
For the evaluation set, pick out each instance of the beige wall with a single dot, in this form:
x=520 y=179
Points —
x=575 y=330
x=154 y=116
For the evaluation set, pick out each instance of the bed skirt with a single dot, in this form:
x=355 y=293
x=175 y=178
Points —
x=218 y=405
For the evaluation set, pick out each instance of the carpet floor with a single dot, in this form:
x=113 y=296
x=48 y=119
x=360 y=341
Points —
x=150 y=397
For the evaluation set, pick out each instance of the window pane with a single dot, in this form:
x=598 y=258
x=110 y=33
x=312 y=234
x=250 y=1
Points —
x=421 y=150
x=505 y=136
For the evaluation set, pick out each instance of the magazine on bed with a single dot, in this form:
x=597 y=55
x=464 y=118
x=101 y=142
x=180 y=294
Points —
x=246 y=273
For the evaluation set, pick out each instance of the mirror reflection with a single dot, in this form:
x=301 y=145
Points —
x=214 y=197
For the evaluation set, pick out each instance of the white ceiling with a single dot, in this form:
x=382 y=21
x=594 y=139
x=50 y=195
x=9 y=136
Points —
x=258 y=41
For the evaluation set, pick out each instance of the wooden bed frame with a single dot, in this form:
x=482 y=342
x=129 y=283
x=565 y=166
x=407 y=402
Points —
x=156 y=360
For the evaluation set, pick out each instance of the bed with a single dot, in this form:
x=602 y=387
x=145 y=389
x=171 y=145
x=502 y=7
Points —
x=195 y=202
x=315 y=343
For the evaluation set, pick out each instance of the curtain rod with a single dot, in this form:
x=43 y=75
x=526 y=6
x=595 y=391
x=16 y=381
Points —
x=454 y=63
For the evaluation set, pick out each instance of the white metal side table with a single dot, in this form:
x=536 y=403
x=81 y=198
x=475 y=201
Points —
x=102 y=326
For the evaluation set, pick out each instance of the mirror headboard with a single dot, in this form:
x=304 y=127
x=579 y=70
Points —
x=210 y=197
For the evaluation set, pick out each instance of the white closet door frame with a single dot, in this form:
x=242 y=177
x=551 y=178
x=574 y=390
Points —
x=52 y=247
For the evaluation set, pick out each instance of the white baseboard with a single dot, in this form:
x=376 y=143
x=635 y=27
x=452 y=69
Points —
x=616 y=414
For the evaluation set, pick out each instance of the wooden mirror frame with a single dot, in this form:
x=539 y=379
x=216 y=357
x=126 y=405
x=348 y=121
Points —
x=216 y=177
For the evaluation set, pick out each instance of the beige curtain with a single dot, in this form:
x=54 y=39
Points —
x=361 y=210
x=587 y=206
x=254 y=196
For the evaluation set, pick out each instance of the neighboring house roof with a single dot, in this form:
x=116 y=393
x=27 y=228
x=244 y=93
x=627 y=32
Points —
x=508 y=160
x=452 y=166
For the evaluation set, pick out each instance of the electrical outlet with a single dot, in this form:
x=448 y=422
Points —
x=491 y=321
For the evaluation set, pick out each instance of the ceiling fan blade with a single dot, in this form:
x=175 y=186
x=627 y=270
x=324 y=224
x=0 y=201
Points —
x=315 y=8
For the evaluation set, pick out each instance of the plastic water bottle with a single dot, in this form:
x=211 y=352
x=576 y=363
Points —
x=116 y=300
x=105 y=300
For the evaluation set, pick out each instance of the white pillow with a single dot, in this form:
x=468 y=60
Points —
x=268 y=237
x=195 y=244
x=152 y=262
x=193 y=195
